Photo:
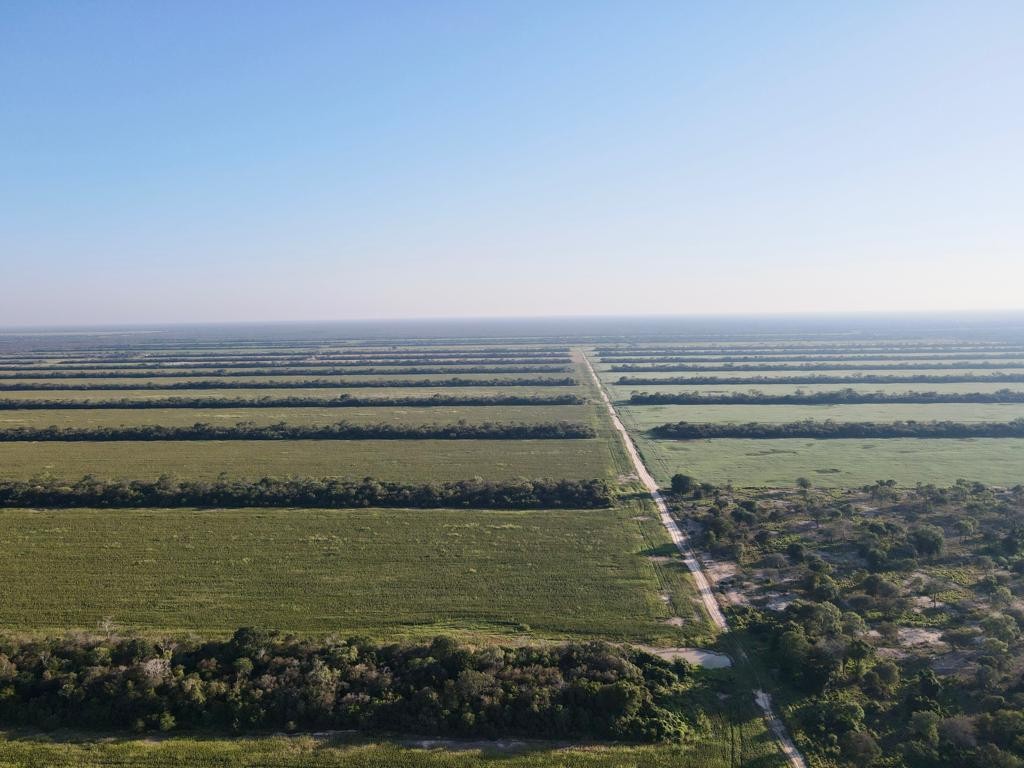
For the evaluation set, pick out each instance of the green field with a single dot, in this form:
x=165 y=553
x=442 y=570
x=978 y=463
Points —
x=622 y=392
x=113 y=417
x=453 y=374
x=384 y=573
x=745 y=741
x=647 y=416
x=255 y=394
x=402 y=460
x=837 y=463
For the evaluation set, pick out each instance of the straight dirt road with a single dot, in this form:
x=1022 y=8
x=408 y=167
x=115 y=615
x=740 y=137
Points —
x=707 y=595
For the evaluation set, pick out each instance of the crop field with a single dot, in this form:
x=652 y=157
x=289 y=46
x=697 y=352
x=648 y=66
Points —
x=405 y=460
x=647 y=416
x=112 y=417
x=324 y=393
x=386 y=573
x=835 y=463
x=622 y=392
x=728 y=743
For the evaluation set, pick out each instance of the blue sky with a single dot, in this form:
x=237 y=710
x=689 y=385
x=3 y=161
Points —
x=195 y=161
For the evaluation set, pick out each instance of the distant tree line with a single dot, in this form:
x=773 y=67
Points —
x=816 y=367
x=827 y=358
x=129 y=374
x=307 y=492
x=342 y=430
x=837 y=429
x=257 y=681
x=995 y=378
x=174 y=363
x=46 y=386
x=839 y=349
x=293 y=356
x=843 y=396
x=343 y=401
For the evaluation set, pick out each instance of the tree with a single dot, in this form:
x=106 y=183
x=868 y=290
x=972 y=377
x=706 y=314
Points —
x=928 y=540
x=682 y=484
x=859 y=748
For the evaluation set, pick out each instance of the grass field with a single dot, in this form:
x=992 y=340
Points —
x=621 y=392
x=453 y=374
x=837 y=463
x=647 y=416
x=744 y=742
x=255 y=394
x=404 y=460
x=113 y=417
x=384 y=573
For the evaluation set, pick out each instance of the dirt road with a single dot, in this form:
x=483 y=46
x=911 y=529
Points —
x=707 y=596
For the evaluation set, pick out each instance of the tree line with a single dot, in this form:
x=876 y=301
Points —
x=306 y=492
x=995 y=378
x=342 y=430
x=130 y=374
x=843 y=396
x=258 y=681
x=342 y=401
x=839 y=349
x=46 y=386
x=817 y=367
x=257 y=363
x=827 y=358
x=829 y=429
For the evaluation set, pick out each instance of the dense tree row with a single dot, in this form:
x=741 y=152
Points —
x=343 y=401
x=826 y=358
x=129 y=374
x=908 y=366
x=837 y=429
x=995 y=378
x=258 y=681
x=342 y=430
x=837 y=349
x=843 y=396
x=46 y=386
x=300 y=362
x=293 y=355
x=308 y=492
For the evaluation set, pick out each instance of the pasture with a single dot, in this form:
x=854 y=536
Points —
x=411 y=416
x=405 y=460
x=383 y=573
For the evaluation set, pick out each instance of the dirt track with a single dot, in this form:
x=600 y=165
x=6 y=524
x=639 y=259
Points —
x=707 y=596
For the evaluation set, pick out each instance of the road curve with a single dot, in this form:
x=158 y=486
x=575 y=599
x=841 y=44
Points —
x=707 y=596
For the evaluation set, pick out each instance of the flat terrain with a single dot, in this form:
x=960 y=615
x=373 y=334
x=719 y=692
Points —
x=647 y=416
x=744 y=741
x=836 y=463
x=412 y=416
x=384 y=573
x=403 y=460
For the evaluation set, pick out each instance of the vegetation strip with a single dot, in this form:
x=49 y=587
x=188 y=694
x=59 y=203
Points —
x=844 y=396
x=343 y=401
x=824 y=366
x=828 y=429
x=256 y=682
x=342 y=430
x=826 y=358
x=995 y=378
x=129 y=374
x=329 y=493
x=47 y=386
x=262 y=363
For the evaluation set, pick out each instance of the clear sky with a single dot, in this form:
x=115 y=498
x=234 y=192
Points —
x=204 y=161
